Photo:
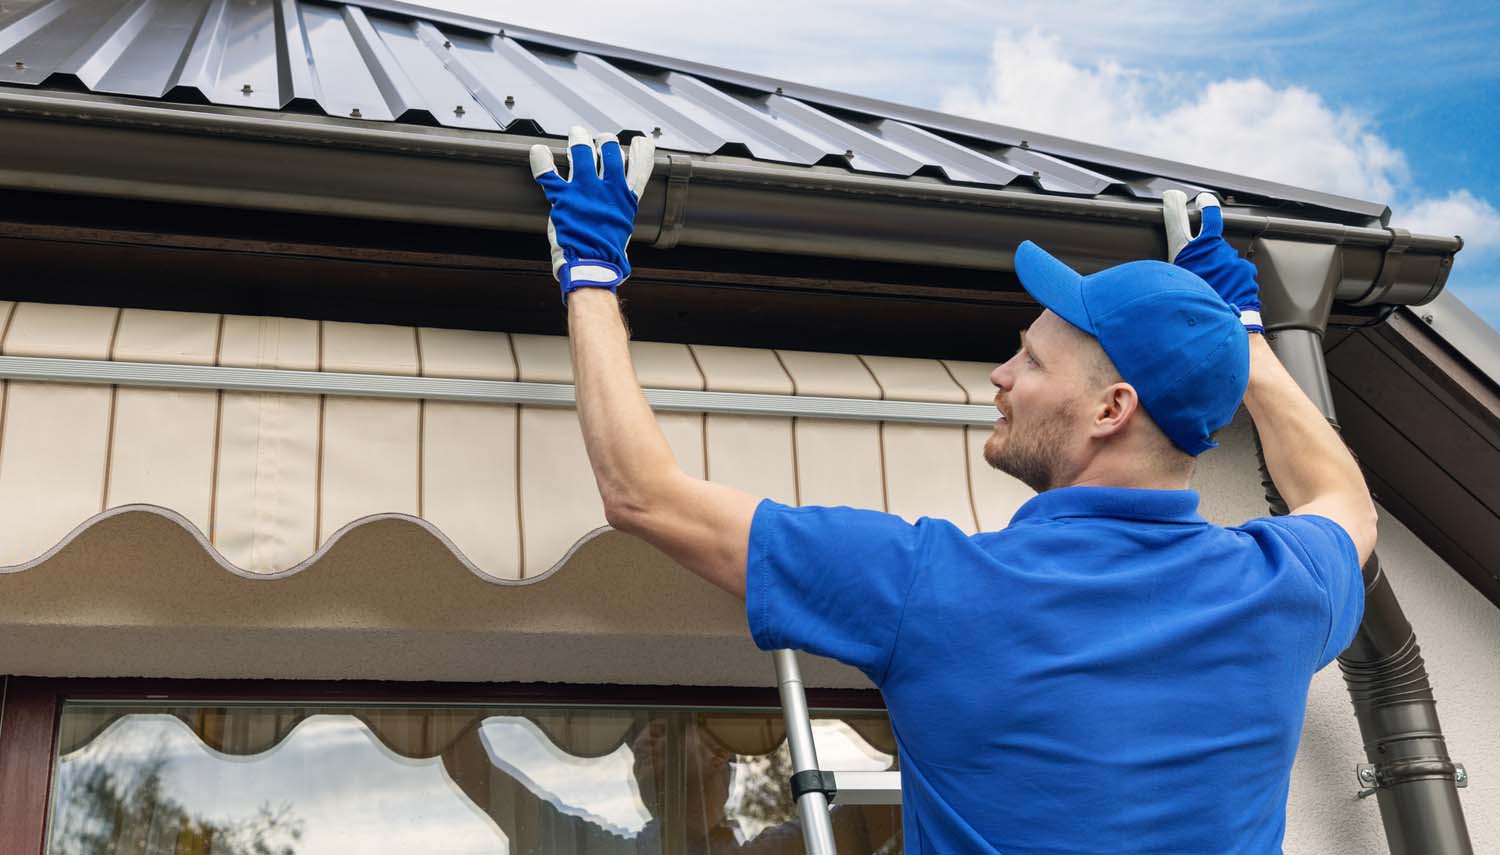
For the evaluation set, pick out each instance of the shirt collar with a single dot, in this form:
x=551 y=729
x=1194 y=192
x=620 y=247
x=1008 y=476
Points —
x=1122 y=503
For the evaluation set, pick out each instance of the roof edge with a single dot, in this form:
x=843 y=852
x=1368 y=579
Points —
x=988 y=131
x=322 y=166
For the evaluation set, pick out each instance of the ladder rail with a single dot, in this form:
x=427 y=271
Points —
x=812 y=806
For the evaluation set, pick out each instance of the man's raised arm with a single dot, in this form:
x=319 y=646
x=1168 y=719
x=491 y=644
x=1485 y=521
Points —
x=703 y=526
x=1312 y=468
x=1310 y=464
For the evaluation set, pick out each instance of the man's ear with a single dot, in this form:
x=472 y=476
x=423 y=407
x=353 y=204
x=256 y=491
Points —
x=1117 y=405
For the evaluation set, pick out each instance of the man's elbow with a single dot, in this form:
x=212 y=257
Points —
x=624 y=513
x=630 y=507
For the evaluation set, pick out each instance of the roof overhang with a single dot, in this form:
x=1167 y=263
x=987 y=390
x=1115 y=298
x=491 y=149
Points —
x=77 y=143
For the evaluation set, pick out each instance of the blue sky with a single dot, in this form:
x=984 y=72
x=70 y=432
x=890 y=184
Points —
x=1393 y=102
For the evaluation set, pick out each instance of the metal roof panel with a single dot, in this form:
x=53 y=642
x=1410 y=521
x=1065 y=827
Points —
x=386 y=60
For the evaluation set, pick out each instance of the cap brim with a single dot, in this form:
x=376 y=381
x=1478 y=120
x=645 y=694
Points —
x=1055 y=285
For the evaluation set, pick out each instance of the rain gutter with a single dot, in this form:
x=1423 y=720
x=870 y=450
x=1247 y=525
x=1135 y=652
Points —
x=107 y=145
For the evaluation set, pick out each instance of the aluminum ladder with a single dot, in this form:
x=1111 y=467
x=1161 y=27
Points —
x=813 y=788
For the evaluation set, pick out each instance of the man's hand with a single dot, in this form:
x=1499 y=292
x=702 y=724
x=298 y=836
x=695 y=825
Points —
x=1210 y=256
x=593 y=212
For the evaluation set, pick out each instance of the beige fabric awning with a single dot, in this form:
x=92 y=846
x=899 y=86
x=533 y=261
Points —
x=205 y=532
x=270 y=480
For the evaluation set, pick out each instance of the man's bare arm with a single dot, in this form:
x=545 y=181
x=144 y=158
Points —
x=1312 y=468
x=703 y=526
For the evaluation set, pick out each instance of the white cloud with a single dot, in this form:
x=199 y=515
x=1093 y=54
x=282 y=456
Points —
x=1244 y=125
x=1461 y=213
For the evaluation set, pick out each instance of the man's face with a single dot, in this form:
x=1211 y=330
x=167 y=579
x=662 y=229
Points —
x=1041 y=394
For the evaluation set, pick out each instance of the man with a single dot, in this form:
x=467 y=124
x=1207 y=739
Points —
x=1109 y=673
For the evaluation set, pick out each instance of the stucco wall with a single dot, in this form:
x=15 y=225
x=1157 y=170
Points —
x=1459 y=632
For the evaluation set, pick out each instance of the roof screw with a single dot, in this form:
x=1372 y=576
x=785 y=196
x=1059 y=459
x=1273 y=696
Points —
x=354 y=114
x=20 y=66
x=510 y=100
x=1025 y=144
x=502 y=33
x=447 y=44
x=1367 y=774
x=848 y=152
x=779 y=92
x=1036 y=173
x=656 y=132
x=246 y=89
x=459 y=110
x=1427 y=317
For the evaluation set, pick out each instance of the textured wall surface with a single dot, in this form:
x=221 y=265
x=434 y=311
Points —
x=1459 y=632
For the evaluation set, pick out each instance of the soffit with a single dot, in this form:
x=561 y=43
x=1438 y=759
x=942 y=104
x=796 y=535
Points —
x=1423 y=416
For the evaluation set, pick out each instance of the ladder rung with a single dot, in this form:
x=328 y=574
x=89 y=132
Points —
x=866 y=788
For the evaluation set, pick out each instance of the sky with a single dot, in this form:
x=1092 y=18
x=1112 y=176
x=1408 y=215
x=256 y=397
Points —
x=1391 y=102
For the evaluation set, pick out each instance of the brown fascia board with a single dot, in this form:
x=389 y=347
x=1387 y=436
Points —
x=112 y=146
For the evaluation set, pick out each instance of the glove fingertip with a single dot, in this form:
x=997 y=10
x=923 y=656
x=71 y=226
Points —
x=642 y=160
x=541 y=161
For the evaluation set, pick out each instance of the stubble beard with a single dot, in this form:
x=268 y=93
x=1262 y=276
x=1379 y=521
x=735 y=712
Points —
x=1033 y=456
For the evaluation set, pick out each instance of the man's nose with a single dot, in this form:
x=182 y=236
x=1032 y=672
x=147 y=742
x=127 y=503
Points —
x=1002 y=376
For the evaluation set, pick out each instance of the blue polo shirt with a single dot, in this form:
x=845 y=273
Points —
x=1110 y=673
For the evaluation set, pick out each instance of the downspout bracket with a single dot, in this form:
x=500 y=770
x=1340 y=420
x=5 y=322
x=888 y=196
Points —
x=1373 y=777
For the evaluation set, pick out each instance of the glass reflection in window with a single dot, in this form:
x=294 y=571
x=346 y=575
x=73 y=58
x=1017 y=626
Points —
x=251 y=779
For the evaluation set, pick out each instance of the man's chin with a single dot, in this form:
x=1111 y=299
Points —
x=994 y=450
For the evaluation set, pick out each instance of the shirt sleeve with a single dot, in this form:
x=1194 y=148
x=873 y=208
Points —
x=1333 y=563
x=831 y=581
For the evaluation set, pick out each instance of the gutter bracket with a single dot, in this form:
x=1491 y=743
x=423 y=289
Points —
x=674 y=210
x=1390 y=269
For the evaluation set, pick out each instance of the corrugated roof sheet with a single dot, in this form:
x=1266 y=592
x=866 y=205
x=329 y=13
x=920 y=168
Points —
x=390 y=61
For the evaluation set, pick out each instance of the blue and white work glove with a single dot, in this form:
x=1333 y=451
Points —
x=1210 y=256
x=593 y=212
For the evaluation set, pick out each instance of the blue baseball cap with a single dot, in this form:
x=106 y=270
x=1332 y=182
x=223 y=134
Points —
x=1170 y=336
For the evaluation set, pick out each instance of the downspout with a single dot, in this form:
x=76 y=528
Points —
x=1408 y=768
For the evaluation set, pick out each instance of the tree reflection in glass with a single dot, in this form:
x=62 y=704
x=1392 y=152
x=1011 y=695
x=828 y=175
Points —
x=143 y=779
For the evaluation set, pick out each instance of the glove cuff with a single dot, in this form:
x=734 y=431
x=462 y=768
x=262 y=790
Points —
x=589 y=274
x=1251 y=319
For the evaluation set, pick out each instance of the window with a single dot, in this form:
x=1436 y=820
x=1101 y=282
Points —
x=256 y=779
